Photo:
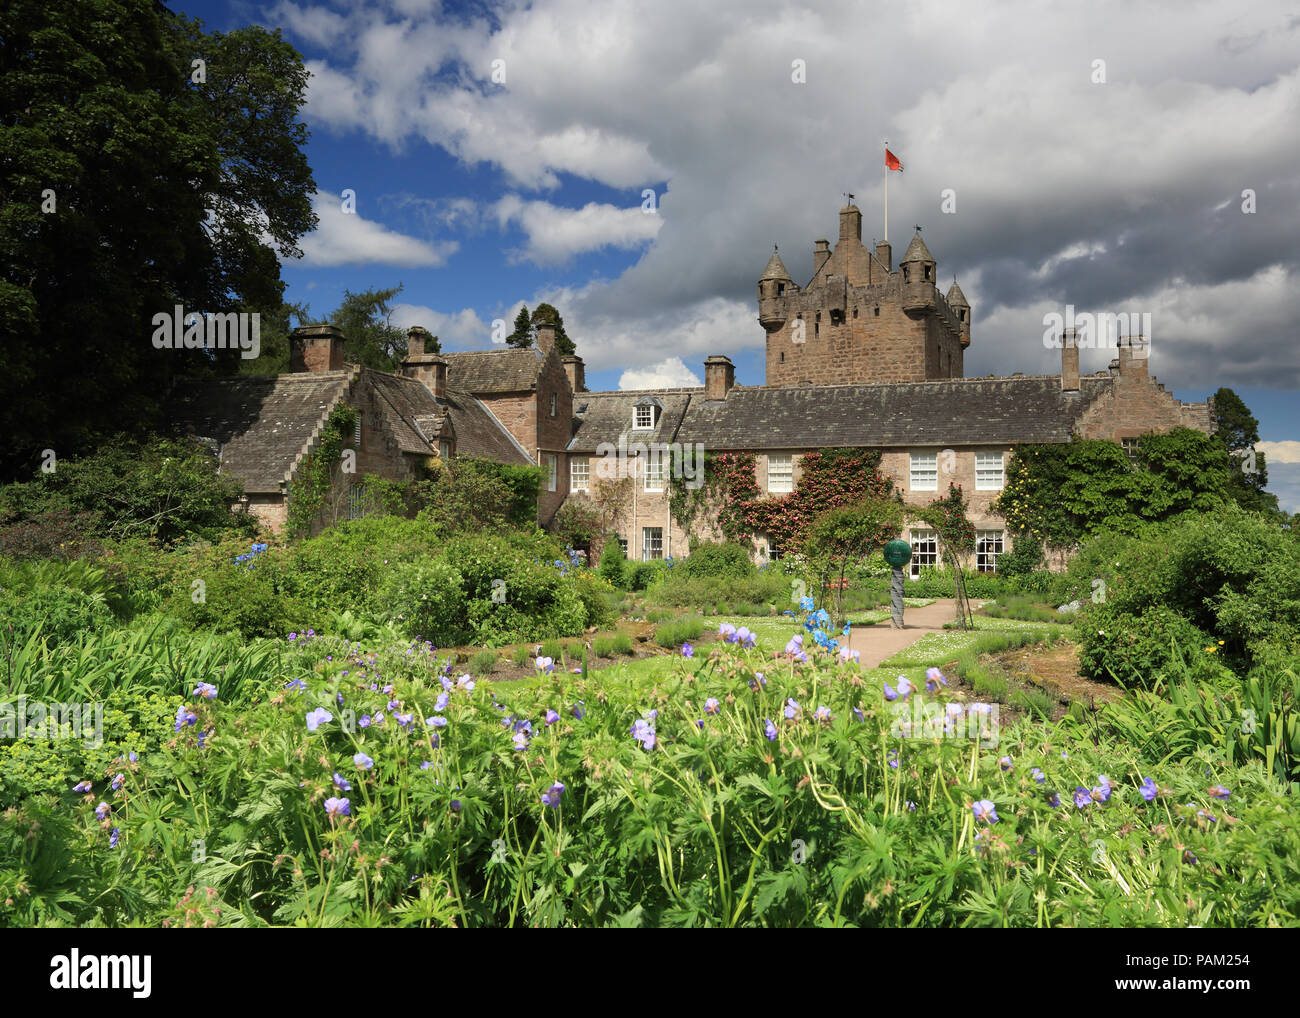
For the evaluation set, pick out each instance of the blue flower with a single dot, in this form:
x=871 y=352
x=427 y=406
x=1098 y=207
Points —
x=728 y=632
x=341 y=782
x=437 y=721
x=1038 y=775
x=934 y=679
x=769 y=729
x=551 y=797
x=82 y=787
x=1102 y=792
x=185 y=716
x=822 y=714
x=985 y=810
x=316 y=718
x=118 y=782
x=1005 y=763
x=892 y=757
x=688 y=650
x=440 y=704
x=577 y=710
x=1149 y=789
x=791 y=707
x=806 y=604
x=857 y=713
x=520 y=739
x=551 y=717
x=905 y=688
x=363 y=721
x=545 y=664
x=1219 y=792
x=1054 y=800
x=711 y=705
x=113 y=838
x=890 y=692
x=745 y=638
x=644 y=733
x=1082 y=797
x=205 y=690
x=297 y=684
x=102 y=810
x=363 y=762
x=335 y=807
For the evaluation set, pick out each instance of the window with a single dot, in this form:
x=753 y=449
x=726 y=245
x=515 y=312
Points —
x=552 y=404
x=875 y=312
x=356 y=501
x=552 y=468
x=579 y=474
x=837 y=317
x=780 y=473
x=652 y=543
x=988 y=546
x=654 y=471
x=1132 y=447
x=925 y=551
x=925 y=471
x=356 y=434
x=773 y=552
x=645 y=417
x=780 y=289
x=988 y=471
x=622 y=543
x=444 y=449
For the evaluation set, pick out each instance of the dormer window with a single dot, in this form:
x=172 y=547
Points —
x=645 y=415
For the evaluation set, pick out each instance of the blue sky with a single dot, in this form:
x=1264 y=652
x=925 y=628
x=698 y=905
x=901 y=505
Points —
x=1115 y=187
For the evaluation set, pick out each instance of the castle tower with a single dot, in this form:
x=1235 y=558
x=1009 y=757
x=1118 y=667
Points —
x=859 y=319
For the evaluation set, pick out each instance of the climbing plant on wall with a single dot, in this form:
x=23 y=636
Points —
x=316 y=475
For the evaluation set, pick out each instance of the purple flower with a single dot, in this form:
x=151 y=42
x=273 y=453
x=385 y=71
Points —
x=520 y=739
x=293 y=636
x=404 y=719
x=890 y=692
x=577 y=711
x=728 y=632
x=1149 y=789
x=205 y=690
x=118 y=782
x=551 y=717
x=1053 y=800
x=102 y=810
x=934 y=679
x=441 y=703
x=1219 y=792
x=857 y=713
x=791 y=708
x=822 y=714
x=551 y=797
x=363 y=721
x=644 y=733
x=296 y=684
x=317 y=718
x=980 y=708
x=892 y=757
x=465 y=683
x=1102 y=792
x=911 y=806
x=455 y=805
x=341 y=782
x=711 y=705
x=84 y=786
x=1082 y=797
x=688 y=650
x=437 y=721
x=185 y=716
x=545 y=664
x=847 y=655
x=113 y=838
x=985 y=810
x=1038 y=775
x=905 y=688
x=394 y=704
x=363 y=762
x=338 y=807
x=770 y=729
x=1005 y=763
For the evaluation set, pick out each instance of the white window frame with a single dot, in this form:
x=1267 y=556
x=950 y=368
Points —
x=579 y=474
x=648 y=541
x=655 y=460
x=553 y=399
x=925 y=550
x=444 y=449
x=784 y=475
x=552 y=462
x=989 y=544
x=622 y=543
x=990 y=475
x=356 y=501
x=923 y=472
x=647 y=408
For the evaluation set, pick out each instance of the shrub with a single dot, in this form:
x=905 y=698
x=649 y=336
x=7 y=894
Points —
x=1033 y=701
x=553 y=650
x=717 y=560
x=520 y=656
x=1136 y=650
x=425 y=598
x=603 y=646
x=484 y=662
x=623 y=644
x=613 y=565
x=253 y=598
x=60 y=612
x=679 y=631
x=642 y=575
x=1025 y=556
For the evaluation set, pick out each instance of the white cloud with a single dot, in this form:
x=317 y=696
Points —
x=667 y=374
x=346 y=238
x=1280 y=452
x=556 y=234
x=456 y=330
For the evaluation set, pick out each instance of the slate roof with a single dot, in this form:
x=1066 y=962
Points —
x=916 y=252
x=258 y=424
x=775 y=268
x=414 y=416
x=952 y=412
x=479 y=433
x=492 y=371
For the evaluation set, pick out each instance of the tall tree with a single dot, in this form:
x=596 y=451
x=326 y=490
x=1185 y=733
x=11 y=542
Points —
x=548 y=313
x=142 y=164
x=1239 y=430
x=523 y=335
x=370 y=337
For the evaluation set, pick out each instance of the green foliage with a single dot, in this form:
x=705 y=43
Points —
x=1238 y=429
x=1136 y=649
x=162 y=489
x=578 y=524
x=57 y=613
x=484 y=662
x=1062 y=493
x=317 y=475
x=644 y=575
x=369 y=336
x=613 y=565
x=679 y=630
x=522 y=336
x=520 y=656
x=723 y=561
x=1025 y=556
x=210 y=590
x=426 y=599
x=547 y=313
x=850 y=534
x=1022 y=608
x=168 y=191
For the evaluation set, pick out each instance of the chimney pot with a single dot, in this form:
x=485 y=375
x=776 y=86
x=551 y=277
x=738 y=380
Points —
x=1070 y=361
x=545 y=337
x=576 y=370
x=316 y=348
x=719 y=377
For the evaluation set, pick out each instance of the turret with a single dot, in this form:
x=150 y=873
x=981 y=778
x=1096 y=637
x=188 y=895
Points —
x=772 y=288
x=957 y=301
x=918 y=270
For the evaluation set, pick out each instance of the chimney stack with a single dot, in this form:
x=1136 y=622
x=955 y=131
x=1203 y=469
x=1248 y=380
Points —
x=821 y=254
x=316 y=348
x=545 y=337
x=884 y=253
x=576 y=370
x=1070 y=361
x=719 y=377
x=851 y=223
x=1132 y=355
x=427 y=368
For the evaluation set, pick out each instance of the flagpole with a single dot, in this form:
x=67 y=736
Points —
x=886 y=237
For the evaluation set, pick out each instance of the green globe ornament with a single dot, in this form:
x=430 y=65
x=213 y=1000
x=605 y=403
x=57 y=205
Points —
x=898 y=553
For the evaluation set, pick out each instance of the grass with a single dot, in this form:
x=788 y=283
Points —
x=520 y=656
x=610 y=646
x=1023 y=609
x=553 y=650
x=484 y=662
x=679 y=631
x=1033 y=701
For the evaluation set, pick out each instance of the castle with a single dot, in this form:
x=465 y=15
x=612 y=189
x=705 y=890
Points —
x=865 y=355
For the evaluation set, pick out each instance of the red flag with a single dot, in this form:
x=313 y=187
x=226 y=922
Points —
x=891 y=161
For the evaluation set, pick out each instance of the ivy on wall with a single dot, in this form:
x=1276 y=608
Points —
x=316 y=475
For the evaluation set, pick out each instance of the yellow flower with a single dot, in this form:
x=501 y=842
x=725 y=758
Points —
x=1220 y=643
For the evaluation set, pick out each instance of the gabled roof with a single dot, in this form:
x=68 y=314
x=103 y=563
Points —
x=494 y=371
x=479 y=433
x=953 y=412
x=259 y=424
x=415 y=418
